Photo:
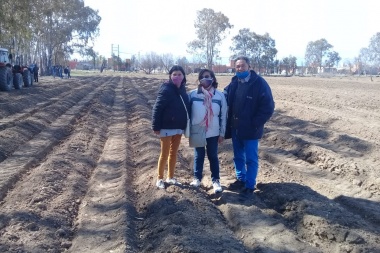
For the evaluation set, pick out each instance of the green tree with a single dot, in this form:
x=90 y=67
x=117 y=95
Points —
x=14 y=17
x=68 y=27
x=265 y=51
x=261 y=49
x=211 y=28
x=333 y=59
x=47 y=29
x=243 y=43
x=364 y=59
x=290 y=64
x=374 y=48
x=315 y=51
x=90 y=52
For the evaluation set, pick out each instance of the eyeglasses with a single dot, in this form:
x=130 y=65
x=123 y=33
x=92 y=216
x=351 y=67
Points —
x=206 y=76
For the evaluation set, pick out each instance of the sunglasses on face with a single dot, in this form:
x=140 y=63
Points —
x=206 y=76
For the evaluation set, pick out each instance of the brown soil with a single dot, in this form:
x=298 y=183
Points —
x=78 y=170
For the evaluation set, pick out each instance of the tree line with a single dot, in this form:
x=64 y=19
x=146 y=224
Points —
x=212 y=28
x=47 y=32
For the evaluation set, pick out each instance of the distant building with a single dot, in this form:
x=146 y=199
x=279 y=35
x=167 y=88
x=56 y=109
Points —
x=73 y=64
x=327 y=70
x=84 y=65
x=220 y=69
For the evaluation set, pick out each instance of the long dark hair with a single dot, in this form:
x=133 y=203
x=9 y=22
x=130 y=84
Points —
x=214 y=83
x=176 y=68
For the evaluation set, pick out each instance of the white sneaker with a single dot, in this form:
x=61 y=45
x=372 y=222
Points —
x=160 y=184
x=196 y=182
x=172 y=181
x=216 y=186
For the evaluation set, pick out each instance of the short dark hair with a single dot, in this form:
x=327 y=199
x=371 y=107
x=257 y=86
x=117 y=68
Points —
x=244 y=58
x=215 y=83
x=176 y=68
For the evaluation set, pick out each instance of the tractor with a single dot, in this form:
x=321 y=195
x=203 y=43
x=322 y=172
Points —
x=18 y=75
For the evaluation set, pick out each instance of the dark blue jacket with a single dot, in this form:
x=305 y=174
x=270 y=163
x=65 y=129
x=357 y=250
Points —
x=169 y=111
x=258 y=107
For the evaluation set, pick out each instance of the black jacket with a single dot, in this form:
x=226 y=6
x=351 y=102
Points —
x=169 y=111
x=257 y=108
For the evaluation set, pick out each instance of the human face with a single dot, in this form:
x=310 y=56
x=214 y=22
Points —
x=177 y=77
x=241 y=66
x=206 y=74
x=206 y=80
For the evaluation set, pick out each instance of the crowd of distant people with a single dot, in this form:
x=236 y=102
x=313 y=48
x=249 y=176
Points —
x=61 y=71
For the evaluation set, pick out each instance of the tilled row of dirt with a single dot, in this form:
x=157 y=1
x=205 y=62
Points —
x=78 y=171
x=46 y=187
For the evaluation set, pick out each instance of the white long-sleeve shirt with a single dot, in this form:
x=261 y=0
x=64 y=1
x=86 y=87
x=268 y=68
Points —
x=219 y=108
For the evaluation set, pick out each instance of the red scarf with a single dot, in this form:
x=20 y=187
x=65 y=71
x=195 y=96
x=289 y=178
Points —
x=207 y=102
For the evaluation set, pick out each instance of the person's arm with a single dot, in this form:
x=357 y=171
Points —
x=226 y=91
x=161 y=102
x=223 y=116
x=265 y=106
x=190 y=95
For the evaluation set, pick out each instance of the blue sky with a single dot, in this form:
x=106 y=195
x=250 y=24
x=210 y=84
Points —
x=166 y=26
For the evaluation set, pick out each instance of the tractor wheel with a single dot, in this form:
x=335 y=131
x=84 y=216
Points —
x=26 y=77
x=6 y=79
x=17 y=81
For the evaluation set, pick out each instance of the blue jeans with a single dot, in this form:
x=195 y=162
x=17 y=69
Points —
x=212 y=155
x=246 y=160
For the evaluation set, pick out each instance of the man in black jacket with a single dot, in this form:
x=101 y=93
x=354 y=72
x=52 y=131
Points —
x=250 y=106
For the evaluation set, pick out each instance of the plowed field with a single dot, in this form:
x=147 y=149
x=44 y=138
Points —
x=78 y=170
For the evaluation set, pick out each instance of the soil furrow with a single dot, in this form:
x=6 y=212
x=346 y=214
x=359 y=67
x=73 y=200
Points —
x=102 y=217
x=337 y=159
x=17 y=103
x=21 y=131
x=179 y=216
x=28 y=151
x=43 y=205
x=84 y=172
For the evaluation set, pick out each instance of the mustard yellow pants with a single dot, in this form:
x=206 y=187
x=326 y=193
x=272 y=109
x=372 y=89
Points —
x=169 y=149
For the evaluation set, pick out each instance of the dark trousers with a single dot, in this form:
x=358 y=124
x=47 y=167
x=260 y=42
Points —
x=212 y=155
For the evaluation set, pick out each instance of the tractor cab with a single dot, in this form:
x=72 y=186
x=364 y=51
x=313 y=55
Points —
x=4 y=56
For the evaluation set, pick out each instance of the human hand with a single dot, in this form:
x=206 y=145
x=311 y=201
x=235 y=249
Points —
x=221 y=139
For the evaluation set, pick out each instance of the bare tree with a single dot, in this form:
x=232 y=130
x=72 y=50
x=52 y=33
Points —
x=182 y=61
x=167 y=62
x=150 y=62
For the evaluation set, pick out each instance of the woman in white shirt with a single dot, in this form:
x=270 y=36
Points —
x=208 y=115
